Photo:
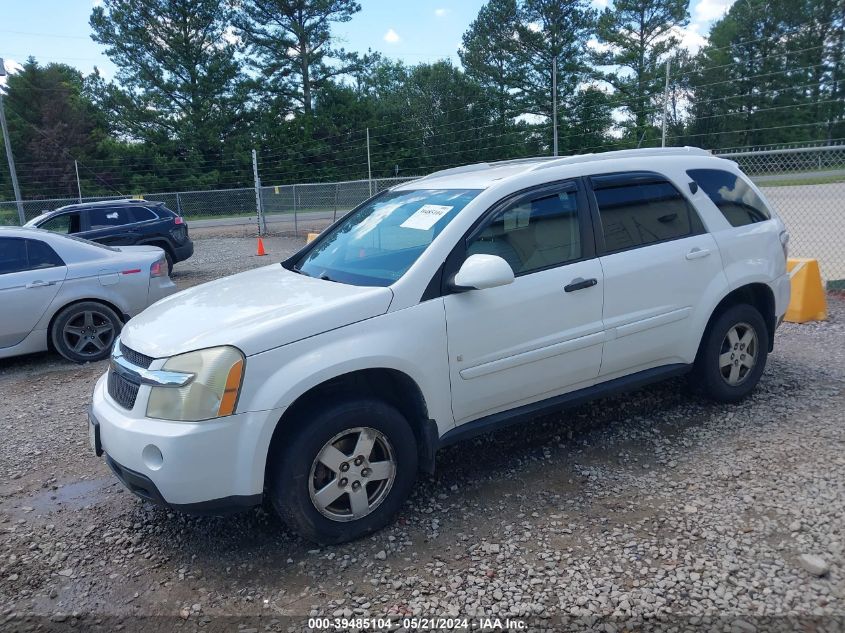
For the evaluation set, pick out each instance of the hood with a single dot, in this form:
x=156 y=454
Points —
x=254 y=311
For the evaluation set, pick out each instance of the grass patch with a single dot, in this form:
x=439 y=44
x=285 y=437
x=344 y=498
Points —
x=819 y=180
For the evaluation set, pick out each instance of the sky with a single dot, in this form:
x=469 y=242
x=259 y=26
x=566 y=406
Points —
x=413 y=31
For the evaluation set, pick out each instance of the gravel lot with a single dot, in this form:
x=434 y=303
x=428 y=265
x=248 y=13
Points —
x=652 y=505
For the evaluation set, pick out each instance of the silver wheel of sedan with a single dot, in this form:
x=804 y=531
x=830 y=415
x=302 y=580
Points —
x=738 y=354
x=352 y=474
x=88 y=333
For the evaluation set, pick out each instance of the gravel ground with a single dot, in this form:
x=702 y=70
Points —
x=650 y=508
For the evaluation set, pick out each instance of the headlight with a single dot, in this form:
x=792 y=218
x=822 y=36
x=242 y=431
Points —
x=213 y=392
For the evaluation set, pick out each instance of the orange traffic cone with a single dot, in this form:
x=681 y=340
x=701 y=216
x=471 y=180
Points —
x=261 y=250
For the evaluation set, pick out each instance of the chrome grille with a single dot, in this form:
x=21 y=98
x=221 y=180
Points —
x=136 y=358
x=121 y=390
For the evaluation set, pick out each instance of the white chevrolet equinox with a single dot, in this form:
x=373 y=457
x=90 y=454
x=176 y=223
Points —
x=446 y=307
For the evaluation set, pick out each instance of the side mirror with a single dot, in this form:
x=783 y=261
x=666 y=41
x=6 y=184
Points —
x=483 y=271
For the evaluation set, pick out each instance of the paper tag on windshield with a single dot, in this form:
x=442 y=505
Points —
x=425 y=217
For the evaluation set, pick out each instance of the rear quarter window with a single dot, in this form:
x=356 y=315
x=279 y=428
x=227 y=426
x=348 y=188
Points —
x=732 y=195
x=141 y=214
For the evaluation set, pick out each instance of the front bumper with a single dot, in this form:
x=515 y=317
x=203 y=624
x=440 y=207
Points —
x=194 y=466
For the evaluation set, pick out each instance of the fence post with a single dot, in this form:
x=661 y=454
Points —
x=260 y=215
x=178 y=203
x=336 y=190
x=295 y=222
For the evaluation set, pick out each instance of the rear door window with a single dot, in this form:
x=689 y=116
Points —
x=638 y=209
x=732 y=195
x=106 y=217
x=18 y=254
x=41 y=255
x=12 y=255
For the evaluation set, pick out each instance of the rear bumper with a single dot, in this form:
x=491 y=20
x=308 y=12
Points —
x=181 y=252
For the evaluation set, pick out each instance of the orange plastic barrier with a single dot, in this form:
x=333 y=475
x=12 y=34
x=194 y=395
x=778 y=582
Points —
x=808 y=301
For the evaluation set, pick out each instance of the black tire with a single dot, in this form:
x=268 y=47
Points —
x=717 y=381
x=169 y=259
x=292 y=471
x=85 y=331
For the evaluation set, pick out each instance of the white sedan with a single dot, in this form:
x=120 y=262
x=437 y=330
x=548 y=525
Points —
x=71 y=295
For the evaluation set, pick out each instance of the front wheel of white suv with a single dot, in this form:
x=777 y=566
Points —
x=345 y=472
x=733 y=355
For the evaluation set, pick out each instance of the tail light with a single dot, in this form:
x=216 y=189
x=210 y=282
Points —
x=784 y=242
x=178 y=220
x=159 y=268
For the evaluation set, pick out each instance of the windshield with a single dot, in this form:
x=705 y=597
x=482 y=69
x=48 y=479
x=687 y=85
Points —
x=380 y=241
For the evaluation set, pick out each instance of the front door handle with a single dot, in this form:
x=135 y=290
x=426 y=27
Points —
x=39 y=284
x=579 y=284
x=697 y=253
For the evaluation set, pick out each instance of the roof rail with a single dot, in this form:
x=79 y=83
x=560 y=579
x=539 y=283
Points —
x=624 y=153
x=543 y=162
x=465 y=169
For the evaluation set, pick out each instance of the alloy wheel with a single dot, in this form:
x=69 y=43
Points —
x=738 y=354
x=89 y=333
x=352 y=474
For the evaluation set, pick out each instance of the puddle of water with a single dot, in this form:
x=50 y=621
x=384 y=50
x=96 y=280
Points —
x=76 y=495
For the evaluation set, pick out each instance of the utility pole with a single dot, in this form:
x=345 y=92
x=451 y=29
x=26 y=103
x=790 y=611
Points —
x=9 y=156
x=78 y=184
x=262 y=227
x=554 y=105
x=665 y=103
x=369 y=166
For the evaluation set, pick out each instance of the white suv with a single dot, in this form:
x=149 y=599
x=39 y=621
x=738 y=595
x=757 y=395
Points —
x=443 y=308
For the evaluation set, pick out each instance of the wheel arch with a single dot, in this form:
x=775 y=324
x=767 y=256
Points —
x=757 y=294
x=391 y=385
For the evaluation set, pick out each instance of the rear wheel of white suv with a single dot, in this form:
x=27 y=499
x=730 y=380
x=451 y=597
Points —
x=733 y=355
x=346 y=472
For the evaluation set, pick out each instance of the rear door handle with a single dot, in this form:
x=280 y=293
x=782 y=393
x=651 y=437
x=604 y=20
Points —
x=579 y=284
x=39 y=284
x=697 y=253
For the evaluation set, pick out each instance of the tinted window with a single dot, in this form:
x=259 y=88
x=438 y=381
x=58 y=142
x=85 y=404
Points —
x=12 y=255
x=732 y=194
x=141 y=214
x=41 y=255
x=640 y=213
x=105 y=217
x=65 y=223
x=18 y=254
x=533 y=234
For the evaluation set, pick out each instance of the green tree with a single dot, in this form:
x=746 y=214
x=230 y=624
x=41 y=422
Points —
x=638 y=38
x=552 y=30
x=52 y=121
x=489 y=54
x=291 y=47
x=177 y=72
x=771 y=73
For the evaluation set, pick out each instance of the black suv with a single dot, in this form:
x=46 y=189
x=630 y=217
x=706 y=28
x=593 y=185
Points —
x=123 y=223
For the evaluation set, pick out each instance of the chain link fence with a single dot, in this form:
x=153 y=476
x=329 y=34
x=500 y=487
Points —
x=806 y=186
